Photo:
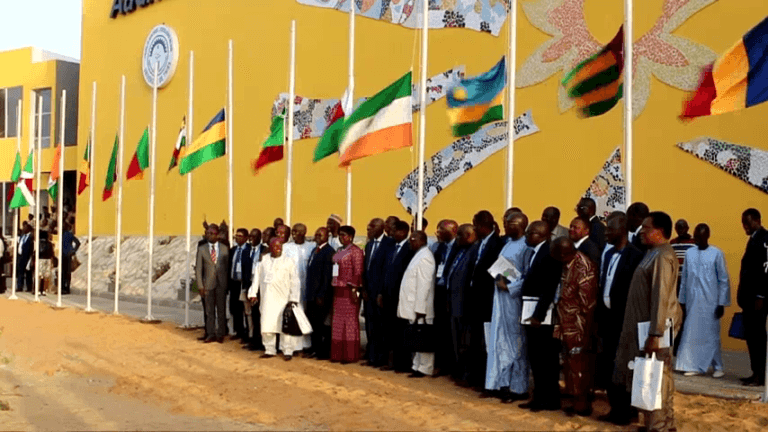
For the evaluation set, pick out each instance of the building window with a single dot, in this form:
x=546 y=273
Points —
x=7 y=213
x=44 y=117
x=9 y=99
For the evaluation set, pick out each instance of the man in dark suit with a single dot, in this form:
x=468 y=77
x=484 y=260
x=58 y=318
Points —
x=579 y=233
x=543 y=349
x=620 y=260
x=636 y=214
x=397 y=261
x=211 y=274
x=376 y=251
x=458 y=275
x=23 y=256
x=753 y=289
x=586 y=209
x=320 y=293
x=240 y=269
x=443 y=253
x=478 y=302
x=252 y=314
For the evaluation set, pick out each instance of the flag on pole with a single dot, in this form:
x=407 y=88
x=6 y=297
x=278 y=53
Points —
x=211 y=144
x=140 y=160
x=16 y=171
x=22 y=195
x=109 y=183
x=53 y=177
x=329 y=141
x=85 y=169
x=272 y=149
x=596 y=84
x=477 y=101
x=736 y=80
x=181 y=143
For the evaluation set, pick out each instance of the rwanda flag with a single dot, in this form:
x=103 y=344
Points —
x=596 y=84
x=477 y=101
x=211 y=144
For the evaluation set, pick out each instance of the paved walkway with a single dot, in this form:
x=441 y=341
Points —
x=728 y=387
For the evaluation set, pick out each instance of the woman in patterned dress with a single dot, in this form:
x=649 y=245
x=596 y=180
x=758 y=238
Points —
x=347 y=279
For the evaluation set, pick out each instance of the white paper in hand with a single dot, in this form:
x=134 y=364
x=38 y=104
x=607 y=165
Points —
x=643 y=328
x=529 y=307
x=505 y=268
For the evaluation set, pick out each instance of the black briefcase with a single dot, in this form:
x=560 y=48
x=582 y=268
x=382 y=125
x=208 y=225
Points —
x=419 y=337
x=290 y=324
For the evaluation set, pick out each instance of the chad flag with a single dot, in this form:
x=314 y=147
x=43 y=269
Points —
x=211 y=144
x=738 y=79
x=477 y=101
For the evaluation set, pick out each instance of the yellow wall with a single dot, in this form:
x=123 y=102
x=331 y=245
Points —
x=553 y=167
x=20 y=70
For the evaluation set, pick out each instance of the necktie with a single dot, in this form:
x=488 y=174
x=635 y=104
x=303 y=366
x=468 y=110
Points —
x=373 y=251
x=441 y=252
x=394 y=256
x=312 y=256
x=213 y=253
x=480 y=252
x=456 y=260
x=237 y=261
x=606 y=265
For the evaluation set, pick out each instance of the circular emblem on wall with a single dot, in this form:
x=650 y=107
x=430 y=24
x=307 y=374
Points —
x=161 y=48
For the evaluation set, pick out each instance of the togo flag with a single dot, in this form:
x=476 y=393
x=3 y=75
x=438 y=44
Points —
x=53 y=178
x=382 y=123
x=22 y=195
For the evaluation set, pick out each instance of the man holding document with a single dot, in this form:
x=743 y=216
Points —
x=652 y=301
x=507 y=366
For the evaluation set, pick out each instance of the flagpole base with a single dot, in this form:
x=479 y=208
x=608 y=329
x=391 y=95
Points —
x=149 y=319
x=189 y=327
x=90 y=310
x=13 y=297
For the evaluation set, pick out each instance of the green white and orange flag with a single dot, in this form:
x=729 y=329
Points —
x=85 y=168
x=22 y=194
x=109 y=183
x=53 y=178
x=382 y=123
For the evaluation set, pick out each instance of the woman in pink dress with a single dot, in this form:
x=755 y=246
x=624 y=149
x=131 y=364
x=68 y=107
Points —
x=347 y=280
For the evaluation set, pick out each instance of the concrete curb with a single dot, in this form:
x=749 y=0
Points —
x=193 y=305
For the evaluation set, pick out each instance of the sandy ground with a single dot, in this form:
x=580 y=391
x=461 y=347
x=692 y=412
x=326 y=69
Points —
x=68 y=370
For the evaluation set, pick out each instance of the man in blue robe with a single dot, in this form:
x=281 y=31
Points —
x=704 y=293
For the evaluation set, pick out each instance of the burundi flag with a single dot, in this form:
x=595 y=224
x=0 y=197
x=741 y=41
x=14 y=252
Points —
x=85 y=168
x=181 y=142
x=272 y=149
x=477 y=101
x=329 y=142
x=109 y=183
x=16 y=171
x=596 y=84
x=53 y=178
x=211 y=144
x=140 y=160
x=22 y=195
x=382 y=123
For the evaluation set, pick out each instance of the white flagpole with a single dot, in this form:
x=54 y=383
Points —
x=16 y=213
x=119 y=172
x=37 y=155
x=189 y=188
x=230 y=146
x=60 y=225
x=628 y=114
x=91 y=160
x=351 y=97
x=289 y=144
x=511 y=65
x=423 y=111
x=153 y=144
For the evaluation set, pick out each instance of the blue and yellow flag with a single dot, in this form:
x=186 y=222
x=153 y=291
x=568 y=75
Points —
x=477 y=101
x=211 y=144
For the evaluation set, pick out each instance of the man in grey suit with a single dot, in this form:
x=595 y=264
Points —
x=211 y=271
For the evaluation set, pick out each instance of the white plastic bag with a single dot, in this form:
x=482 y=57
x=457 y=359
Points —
x=646 y=383
x=302 y=320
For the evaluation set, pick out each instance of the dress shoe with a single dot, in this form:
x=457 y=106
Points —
x=386 y=368
x=266 y=356
x=202 y=338
x=510 y=397
x=220 y=339
x=755 y=383
x=210 y=339
x=288 y=358
x=416 y=374
x=748 y=379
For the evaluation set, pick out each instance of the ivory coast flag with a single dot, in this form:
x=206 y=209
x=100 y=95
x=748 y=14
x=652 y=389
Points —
x=211 y=144
x=53 y=177
x=85 y=168
x=109 y=183
x=382 y=123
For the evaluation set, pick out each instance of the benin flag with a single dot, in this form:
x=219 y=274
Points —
x=53 y=178
x=85 y=169
x=109 y=183
x=211 y=144
x=382 y=123
x=140 y=160
x=22 y=195
x=181 y=142
x=272 y=149
x=596 y=83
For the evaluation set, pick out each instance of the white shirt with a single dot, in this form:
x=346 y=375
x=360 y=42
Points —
x=400 y=246
x=376 y=244
x=482 y=247
x=578 y=243
x=22 y=241
x=612 y=266
x=335 y=242
x=633 y=234
x=535 y=252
